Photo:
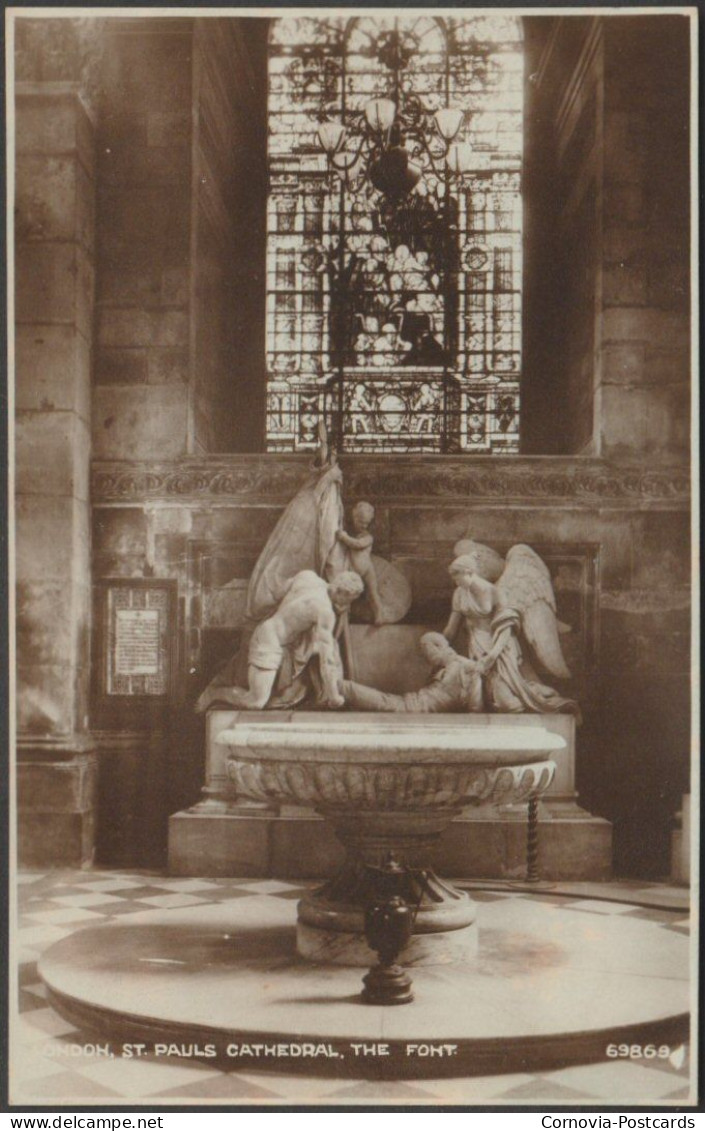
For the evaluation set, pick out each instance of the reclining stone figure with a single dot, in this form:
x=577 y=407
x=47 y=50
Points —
x=454 y=685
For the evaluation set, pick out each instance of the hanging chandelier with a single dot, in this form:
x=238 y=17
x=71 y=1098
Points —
x=395 y=146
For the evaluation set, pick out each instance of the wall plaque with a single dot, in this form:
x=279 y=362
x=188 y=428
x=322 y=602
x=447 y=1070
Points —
x=137 y=642
x=135 y=636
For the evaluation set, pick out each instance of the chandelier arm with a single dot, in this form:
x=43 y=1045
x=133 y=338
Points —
x=385 y=138
x=420 y=136
x=345 y=166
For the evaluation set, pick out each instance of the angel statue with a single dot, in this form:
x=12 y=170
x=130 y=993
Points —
x=504 y=604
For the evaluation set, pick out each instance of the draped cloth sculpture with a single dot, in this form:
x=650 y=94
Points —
x=305 y=537
x=310 y=535
x=302 y=553
x=304 y=548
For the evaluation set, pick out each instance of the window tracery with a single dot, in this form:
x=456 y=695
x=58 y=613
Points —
x=397 y=322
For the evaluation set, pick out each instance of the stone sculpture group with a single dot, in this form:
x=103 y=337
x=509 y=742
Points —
x=297 y=649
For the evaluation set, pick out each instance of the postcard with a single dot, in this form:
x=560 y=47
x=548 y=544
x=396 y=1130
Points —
x=354 y=505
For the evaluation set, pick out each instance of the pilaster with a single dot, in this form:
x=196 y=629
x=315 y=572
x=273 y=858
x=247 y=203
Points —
x=54 y=282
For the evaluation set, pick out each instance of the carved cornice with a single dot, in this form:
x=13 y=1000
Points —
x=525 y=480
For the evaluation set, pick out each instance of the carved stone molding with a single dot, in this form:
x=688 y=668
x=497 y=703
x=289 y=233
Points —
x=338 y=787
x=572 y=481
x=54 y=748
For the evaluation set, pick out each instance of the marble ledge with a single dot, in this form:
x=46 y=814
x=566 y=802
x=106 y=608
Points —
x=382 y=737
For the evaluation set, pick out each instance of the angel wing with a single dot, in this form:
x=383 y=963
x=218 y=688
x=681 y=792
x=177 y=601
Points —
x=525 y=585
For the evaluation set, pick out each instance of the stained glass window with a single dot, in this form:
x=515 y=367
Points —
x=398 y=321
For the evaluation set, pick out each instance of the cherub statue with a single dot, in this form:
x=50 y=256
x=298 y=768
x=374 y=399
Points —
x=455 y=685
x=518 y=605
x=359 y=545
x=303 y=626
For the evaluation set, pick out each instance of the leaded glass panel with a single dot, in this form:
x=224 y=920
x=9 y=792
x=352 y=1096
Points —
x=398 y=322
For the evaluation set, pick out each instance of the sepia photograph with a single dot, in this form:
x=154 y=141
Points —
x=353 y=558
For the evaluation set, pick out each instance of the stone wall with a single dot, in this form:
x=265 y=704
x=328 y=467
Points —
x=616 y=538
x=607 y=277
x=607 y=346
x=180 y=206
x=643 y=389
x=229 y=187
x=143 y=310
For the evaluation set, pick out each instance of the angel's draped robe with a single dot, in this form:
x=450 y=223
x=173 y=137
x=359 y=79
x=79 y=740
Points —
x=506 y=686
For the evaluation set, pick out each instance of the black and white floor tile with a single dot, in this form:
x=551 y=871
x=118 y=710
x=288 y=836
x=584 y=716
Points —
x=51 y=1063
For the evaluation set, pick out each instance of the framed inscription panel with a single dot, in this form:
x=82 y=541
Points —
x=375 y=299
x=135 y=637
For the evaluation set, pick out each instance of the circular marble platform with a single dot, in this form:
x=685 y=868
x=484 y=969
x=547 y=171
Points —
x=555 y=981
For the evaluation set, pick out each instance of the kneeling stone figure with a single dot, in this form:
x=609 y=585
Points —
x=304 y=626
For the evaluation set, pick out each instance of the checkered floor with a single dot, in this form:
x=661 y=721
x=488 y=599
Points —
x=46 y=1070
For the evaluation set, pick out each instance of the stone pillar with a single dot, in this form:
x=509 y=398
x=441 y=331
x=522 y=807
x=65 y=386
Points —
x=54 y=324
x=607 y=188
x=643 y=340
x=143 y=371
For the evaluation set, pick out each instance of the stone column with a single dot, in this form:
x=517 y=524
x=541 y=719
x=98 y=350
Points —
x=607 y=187
x=54 y=210
x=643 y=340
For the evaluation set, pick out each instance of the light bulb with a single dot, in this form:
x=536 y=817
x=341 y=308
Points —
x=448 y=122
x=331 y=136
x=380 y=113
